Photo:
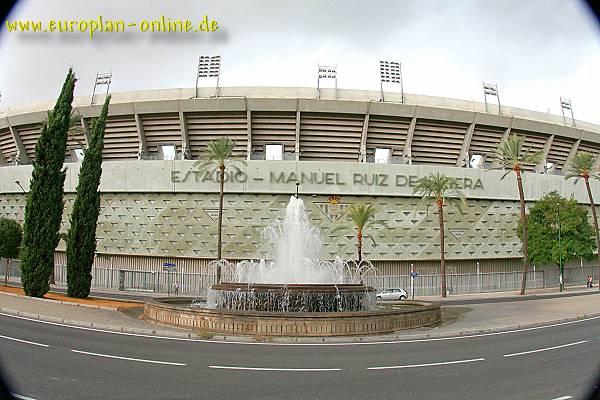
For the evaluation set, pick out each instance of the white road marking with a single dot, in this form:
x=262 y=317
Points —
x=301 y=344
x=127 y=358
x=276 y=369
x=428 y=365
x=563 y=398
x=18 y=396
x=24 y=341
x=545 y=349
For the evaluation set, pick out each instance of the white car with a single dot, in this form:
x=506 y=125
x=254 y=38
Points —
x=392 y=294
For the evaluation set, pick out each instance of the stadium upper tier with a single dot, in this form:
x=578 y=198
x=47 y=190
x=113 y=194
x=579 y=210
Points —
x=347 y=125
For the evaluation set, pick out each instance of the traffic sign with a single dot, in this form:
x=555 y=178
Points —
x=170 y=267
x=414 y=274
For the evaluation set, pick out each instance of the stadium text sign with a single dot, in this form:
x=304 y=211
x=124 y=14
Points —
x=317 y=178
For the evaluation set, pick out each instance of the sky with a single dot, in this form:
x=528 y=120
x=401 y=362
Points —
x=535 y=51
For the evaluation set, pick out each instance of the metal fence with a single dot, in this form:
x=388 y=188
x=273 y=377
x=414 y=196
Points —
x=191 y=283
x=142 y=281
x=427 y=285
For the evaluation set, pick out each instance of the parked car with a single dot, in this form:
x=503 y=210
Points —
x=392 y=294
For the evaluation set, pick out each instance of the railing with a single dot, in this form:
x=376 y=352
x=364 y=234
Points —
x=190 y=283
x=428 y=285
x=142 y=281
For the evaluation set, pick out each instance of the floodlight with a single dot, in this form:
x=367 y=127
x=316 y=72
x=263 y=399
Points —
x=209 y=67
x=101 y=79
x=390 y=71
x=491 y=90
x=326 y=72
x=565 y=104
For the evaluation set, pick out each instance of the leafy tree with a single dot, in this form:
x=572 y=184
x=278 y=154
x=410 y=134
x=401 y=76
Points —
x=582 y=165
x=44 y=206
x=218 y=157
x=510 y=153
x=10 y=241
x=440 y=190
x=81 y=241
x=362 y=219
x=549 y=214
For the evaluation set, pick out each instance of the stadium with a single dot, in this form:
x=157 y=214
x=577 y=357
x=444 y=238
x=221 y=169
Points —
x=334 y=147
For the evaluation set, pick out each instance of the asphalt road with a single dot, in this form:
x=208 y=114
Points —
x=49 y=361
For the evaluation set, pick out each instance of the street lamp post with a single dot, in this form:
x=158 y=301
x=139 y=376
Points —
x=560 y=263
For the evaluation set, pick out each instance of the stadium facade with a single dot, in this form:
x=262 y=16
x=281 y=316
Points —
x=341 y=146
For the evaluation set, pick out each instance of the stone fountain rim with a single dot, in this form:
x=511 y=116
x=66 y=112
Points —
x=317 y=287
x=417 y=306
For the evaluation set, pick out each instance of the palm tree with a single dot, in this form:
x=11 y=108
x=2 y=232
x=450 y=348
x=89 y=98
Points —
x=362 y=219
x=510 y=153
x=218 y=157
x=582 y=165
x=439 y=189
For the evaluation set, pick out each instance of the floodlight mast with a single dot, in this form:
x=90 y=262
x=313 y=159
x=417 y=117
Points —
x=208 y=67
x=101 y=79
x=391 y=71
x=565 y=104
x=326 y=72
x=491 y=90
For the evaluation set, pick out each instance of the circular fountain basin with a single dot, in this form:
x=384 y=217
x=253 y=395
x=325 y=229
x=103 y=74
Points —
x=177 y=312
x=292 y=297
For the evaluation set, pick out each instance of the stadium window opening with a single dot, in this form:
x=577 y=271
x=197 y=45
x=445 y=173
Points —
x=167 y=151
x=274 y=152
x=382 y=155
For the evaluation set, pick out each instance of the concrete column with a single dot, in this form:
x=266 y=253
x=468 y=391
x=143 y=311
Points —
x=505 y=136
x=363 y=138
x=406 y=153
x=508 y=130
x=185 y=140
x=540 y=166
x=86 y=131
x=572 y=153
x=21 y=152
x=249 y=134
x=463 y=157
x=297 y=150
x=142 y=148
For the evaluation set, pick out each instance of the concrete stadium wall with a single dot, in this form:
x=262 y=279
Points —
x=165 y=209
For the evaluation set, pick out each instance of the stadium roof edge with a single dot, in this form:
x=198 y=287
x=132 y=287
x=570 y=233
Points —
x=302 y=93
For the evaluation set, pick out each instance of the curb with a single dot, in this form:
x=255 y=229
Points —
x=61 y=302
x=460 y=298
x=98 y=326
x=283 y=340
x=498 y=330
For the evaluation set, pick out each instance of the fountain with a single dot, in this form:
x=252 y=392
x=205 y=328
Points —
x=294 y=280
x=293 y=293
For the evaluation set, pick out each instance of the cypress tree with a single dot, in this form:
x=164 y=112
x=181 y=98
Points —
x=81 y=241
x=44 y=206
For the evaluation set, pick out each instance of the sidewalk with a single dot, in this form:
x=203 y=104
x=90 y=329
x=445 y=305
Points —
x=552 y=291
x=514 y=295
x=73 y=314
x=458 y=319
